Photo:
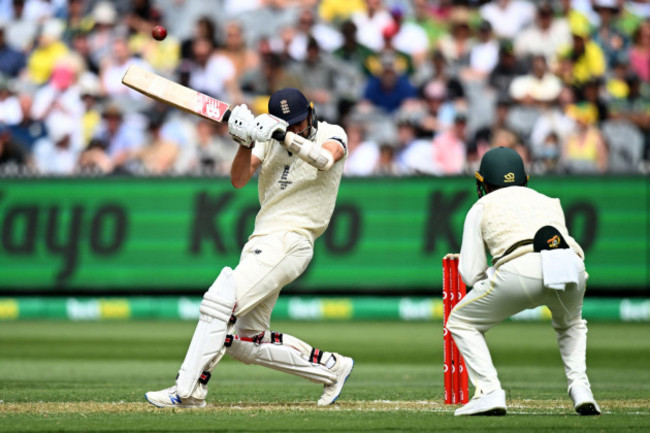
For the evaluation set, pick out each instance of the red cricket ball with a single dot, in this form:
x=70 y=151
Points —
x=159 y=33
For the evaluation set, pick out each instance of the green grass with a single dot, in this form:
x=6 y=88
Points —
x=64 y=376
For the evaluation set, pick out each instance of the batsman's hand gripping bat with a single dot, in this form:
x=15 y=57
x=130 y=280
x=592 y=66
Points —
x=169 y=92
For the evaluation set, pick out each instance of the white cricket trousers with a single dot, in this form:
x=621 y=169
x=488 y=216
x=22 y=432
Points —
x=514 y=287
x=267 y=264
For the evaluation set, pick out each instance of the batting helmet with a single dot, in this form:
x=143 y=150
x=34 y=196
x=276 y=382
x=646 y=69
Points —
x=500 y=167
x=290 y=105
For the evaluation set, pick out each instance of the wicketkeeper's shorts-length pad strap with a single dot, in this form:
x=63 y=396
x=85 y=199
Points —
x=284 y=353
x=207 y=343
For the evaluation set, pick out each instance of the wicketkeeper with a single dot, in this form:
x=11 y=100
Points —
x=300 y=172
x=534 y=262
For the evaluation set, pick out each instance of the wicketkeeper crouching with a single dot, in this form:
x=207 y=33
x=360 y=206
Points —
x=534 y=262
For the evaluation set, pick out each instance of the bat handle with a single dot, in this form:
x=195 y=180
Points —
x=279 y=135
x=226 y=116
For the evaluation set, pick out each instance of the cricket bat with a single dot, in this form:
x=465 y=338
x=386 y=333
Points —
x=174 y=94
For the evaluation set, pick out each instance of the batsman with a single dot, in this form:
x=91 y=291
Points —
x=300 y=163
x=534 y=262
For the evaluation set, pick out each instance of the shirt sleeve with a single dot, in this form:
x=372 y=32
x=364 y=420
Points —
x=259 y=150
x=473 y=259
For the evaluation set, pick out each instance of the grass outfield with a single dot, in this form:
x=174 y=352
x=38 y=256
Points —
x=64 y=376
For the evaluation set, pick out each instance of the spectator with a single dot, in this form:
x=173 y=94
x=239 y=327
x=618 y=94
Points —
x=214 y=150
x=408 y=37
x=610 y=40
x=12 y=155
x=386 y=164
x=90 y=91
x=76 y=21
x=105 y=31
x=211 y=73
x=363 y=154
x=547 y=160
x=371 y=24
x=402 y=62
x=482 y=139
x=590 y=93
x=113 y=69
x=94 y=159
x=10 y=111
x=352 y=52
x=508 y=17
x=440 y=111
x=338 y=11
x=584 y=56
x=320 y=74
x=506 y=70
x=12 y=61
x=158 y=155
x=266 y=21
x=634 y=108
x=640 y=52
x=235 y=49
x=484 y=56
x=415 y=154
x=29 y=130
x=539 y=86
x=437 y=70
x=616 y=86
x=390 y=89
x=60 y=100
x=449 y=147
x=585 y=150
x=307 y=28
x=553 y=120
x=20 y=32
x=55 y=154
x=544 y=37
x=39 y=10
x=122 y=138
x=49 y=49
x=423 y=16
x=457 y=44
x=163 y=56
x=258 y=84
x=204 y=27
x=80 y=44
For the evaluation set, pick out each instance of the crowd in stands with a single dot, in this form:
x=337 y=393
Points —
x=421 y=87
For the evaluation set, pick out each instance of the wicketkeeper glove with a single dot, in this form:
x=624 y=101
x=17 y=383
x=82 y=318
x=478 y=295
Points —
x=240 y=124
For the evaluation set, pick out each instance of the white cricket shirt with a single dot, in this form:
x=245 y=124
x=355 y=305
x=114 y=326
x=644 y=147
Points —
x=294 y=196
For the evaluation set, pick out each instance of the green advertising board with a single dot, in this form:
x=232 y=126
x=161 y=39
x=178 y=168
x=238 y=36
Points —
x=386 y=235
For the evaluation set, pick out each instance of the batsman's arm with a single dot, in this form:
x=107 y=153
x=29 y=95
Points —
x=243 y=167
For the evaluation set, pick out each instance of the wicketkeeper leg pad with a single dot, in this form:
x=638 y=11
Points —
x=207 y=345
x=284 y=353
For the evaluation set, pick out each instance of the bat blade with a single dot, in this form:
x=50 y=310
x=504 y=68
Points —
x=176 y=95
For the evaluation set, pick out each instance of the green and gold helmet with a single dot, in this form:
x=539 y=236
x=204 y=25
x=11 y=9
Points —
x=500 y=167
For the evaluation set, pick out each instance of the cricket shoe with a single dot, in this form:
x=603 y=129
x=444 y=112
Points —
x=583 y=401
x=169 y=398
x=493 y=403
x=342 y=368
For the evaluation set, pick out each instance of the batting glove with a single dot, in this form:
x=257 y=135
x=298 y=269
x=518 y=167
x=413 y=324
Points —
x=265 y=125
x=239 y=125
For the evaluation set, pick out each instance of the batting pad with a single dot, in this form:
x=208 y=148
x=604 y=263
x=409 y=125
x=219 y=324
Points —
x=206 y=346
x=281 y=357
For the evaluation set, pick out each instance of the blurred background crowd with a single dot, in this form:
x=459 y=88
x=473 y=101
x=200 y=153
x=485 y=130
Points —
x=421 y=87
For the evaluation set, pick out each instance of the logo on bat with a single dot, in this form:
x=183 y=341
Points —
x=210 y=107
